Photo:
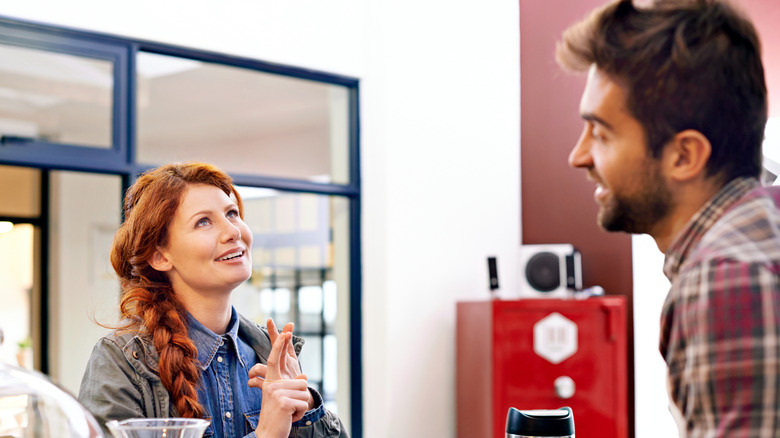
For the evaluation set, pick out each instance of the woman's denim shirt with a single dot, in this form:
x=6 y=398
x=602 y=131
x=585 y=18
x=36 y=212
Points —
x=122 y=381
x=232 y=406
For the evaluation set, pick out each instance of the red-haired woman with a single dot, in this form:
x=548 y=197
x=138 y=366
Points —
x=182 y=349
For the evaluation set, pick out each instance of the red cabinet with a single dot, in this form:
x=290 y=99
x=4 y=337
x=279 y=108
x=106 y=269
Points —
x=542 y=354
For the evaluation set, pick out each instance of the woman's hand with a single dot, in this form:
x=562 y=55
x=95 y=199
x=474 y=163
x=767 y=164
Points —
x=289 y=367
x=285 y=400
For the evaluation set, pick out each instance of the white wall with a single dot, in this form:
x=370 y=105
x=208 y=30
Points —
x=653 y=418
x=85 y=213
x=440 y=158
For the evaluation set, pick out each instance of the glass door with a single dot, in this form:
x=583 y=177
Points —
x=56 y=282
x=16 y=282
x=20 y=220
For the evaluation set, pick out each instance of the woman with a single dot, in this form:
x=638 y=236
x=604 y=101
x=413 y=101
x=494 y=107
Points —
x=183 y=350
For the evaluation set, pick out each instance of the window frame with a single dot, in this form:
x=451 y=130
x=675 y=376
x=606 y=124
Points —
x=120 y=159
x=40 y=153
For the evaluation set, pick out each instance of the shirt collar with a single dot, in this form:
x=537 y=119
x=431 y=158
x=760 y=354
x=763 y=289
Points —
x=207 y=342
x=700 y=222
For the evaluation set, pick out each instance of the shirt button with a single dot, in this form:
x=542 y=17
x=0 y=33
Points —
x=219 y=359
x=227 y=414
x=308 y=423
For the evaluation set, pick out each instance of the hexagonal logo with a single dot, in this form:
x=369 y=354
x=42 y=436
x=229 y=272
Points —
x=555 y=338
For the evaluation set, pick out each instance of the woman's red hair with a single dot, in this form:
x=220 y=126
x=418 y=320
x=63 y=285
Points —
x=148 y=303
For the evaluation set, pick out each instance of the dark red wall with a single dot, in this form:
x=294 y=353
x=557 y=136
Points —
x=766 y=17
x=556 y=200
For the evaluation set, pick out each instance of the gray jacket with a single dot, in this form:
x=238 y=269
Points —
x=122 y=381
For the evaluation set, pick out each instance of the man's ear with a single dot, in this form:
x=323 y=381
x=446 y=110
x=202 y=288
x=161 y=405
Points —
x=686 y=155
x=159 y=261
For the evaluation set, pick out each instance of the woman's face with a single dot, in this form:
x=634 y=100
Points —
x=209 y=246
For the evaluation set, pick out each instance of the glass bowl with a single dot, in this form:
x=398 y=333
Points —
x=158 y=427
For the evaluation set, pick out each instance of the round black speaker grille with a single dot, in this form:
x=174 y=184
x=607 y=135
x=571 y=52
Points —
x=543 y=271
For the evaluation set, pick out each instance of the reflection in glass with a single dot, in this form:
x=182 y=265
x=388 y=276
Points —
x=55 y=97
x=244 y=121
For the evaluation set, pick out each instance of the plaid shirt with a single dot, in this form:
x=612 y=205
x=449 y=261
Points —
x=720 y=325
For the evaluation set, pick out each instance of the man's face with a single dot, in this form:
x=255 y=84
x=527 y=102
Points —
x=630 y=186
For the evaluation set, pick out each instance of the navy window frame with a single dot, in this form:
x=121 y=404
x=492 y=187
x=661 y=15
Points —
x=120 y=160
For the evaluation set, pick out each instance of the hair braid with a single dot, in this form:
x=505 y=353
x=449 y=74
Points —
x=164 y=320
x=178 y=355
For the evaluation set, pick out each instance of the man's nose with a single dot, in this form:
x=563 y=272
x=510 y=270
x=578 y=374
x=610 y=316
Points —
x=580 y=154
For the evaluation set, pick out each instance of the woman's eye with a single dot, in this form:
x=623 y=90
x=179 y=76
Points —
x=232 y=213
x=202 y=222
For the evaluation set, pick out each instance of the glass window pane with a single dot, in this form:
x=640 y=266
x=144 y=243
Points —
x=311 y=359
x=300 y=260
x=20 y=191
x=55 y=97
x=310 y=309
x=242 y=120
x=329 y=310
x=16 y=284
x=281 y=303
x=330 y=375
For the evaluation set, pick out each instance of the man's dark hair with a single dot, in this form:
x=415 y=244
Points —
x=692 y=64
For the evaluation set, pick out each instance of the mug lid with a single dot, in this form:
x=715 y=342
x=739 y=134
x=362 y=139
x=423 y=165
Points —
x=540 y=422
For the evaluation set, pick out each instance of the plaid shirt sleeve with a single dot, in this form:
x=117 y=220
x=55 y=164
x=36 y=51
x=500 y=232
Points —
x=720 y=330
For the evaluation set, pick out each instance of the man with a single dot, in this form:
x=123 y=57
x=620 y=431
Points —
x=674 y=110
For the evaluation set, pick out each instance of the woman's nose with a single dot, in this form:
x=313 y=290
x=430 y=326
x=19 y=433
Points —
x=230 y=231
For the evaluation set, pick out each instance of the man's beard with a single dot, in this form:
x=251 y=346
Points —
x=637 y=212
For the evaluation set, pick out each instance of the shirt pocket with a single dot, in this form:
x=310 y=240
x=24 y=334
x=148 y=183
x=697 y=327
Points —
x=252 y=418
